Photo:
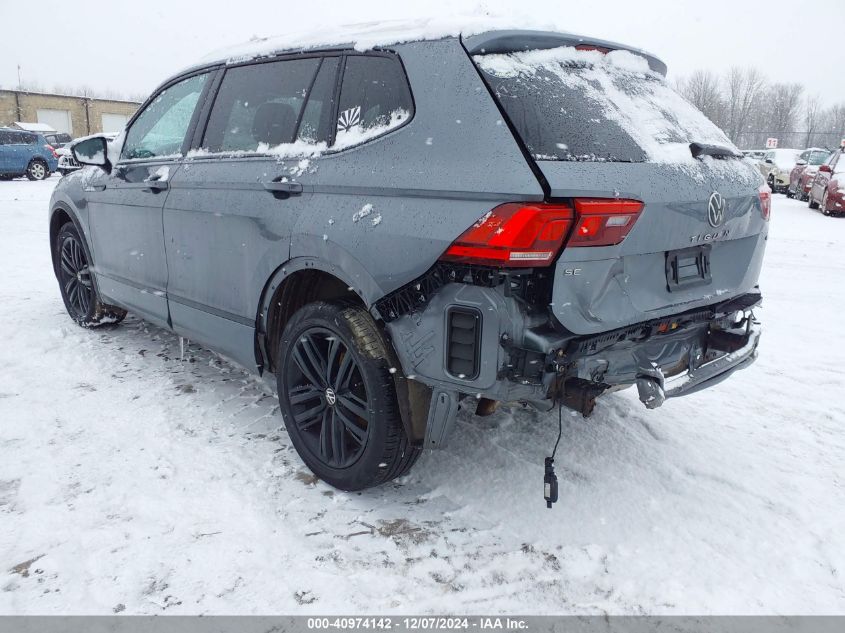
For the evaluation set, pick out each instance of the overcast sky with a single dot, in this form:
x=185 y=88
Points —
x=132 y=46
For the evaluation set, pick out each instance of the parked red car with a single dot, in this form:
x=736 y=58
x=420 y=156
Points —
x=828 y=188
x=801 y=176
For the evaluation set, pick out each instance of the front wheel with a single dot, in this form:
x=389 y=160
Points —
x=37 y=170
x=78 y=292
x=338 y=397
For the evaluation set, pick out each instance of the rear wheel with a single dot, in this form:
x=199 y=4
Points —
x=37 y=170
x=338 y=397
x=810 y=202
x=825 y=210
x=78 y=292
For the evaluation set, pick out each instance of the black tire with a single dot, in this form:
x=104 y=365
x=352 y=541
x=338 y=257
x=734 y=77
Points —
x=810 y=202
x=825 y=210
x=37 y=170
x=78 y=291
x=6 y=176
x=335 y=384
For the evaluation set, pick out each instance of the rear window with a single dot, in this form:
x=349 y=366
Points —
x=573 y=105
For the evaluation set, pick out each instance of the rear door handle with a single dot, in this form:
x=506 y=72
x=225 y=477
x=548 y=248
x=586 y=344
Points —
x=282 y=190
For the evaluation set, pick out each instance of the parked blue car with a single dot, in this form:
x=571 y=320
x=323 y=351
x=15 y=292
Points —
x=25 y=154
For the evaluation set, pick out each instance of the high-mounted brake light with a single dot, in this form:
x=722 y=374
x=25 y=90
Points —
x=516 y=235
x=590 y=47
x=765 y=202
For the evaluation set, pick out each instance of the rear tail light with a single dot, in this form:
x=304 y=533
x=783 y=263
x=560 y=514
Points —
x=531 y=235
x=514 y=234
x=49 y=148
x=603 y=221
x=765 y=202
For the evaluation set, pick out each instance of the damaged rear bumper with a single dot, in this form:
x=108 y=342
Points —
x=671 y=357
x=473 y=341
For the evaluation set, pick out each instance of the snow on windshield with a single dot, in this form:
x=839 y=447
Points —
x=572 y=104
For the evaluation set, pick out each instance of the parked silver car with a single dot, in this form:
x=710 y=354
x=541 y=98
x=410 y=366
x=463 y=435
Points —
x=385 y=234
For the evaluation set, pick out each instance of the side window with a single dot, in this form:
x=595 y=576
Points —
x=25 y=138
x=258 y=106
x=839 y=167
x=374 y=99
x=316 y=123
x=5 y=138
x=160 y=129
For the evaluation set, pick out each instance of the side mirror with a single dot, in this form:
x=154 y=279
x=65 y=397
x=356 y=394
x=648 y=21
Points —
x=826 y=169
x=92 y=151
x=801 y=162
x=769 y=161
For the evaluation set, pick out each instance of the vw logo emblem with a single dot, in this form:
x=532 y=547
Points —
x=331 y=396
x=716 y=209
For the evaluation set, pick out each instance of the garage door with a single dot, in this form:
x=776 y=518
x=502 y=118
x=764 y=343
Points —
x=59 y=120
x=114 y=122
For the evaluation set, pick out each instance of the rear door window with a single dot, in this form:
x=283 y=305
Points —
x=259 y=106
x=159 y=131
x=374 y=99
x=584 y=105
x=316 y=123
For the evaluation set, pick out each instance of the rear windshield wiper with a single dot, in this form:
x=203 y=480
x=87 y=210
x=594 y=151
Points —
x=717 y=151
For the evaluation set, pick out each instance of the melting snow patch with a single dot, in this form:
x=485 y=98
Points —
x=366 y=210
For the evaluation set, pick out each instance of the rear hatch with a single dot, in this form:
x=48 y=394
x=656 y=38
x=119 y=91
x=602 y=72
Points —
x=603 y=124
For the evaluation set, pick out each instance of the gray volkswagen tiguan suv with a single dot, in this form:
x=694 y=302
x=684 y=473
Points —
x=512 y=216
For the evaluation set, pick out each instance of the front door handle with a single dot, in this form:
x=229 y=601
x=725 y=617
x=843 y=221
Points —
x=155 y=184
x=283 y=189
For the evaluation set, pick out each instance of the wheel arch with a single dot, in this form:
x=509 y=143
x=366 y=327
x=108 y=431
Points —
x=59 y=216
x=302 y=280
x=297 y=282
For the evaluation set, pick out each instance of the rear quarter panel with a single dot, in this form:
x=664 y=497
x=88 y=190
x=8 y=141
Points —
x=393 y=205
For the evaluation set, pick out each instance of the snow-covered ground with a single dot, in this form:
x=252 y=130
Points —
x=135 y=480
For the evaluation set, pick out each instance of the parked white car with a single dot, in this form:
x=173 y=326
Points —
x=776 y=167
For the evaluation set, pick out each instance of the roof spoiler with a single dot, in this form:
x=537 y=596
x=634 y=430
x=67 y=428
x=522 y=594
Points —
x=509 y=41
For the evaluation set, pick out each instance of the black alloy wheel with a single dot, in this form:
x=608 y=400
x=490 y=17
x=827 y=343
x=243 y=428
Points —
x=328 y=397
x=76 y=283
x=75 y=277
x=337 y=381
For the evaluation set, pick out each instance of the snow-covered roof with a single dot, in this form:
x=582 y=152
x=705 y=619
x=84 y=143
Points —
x=369 y=35
x=34 y=127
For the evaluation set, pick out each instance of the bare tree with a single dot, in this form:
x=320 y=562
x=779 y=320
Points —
x=704 y=91
x=743 y=87
x=832 y=126
x=812 y=118
x=784 y=104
